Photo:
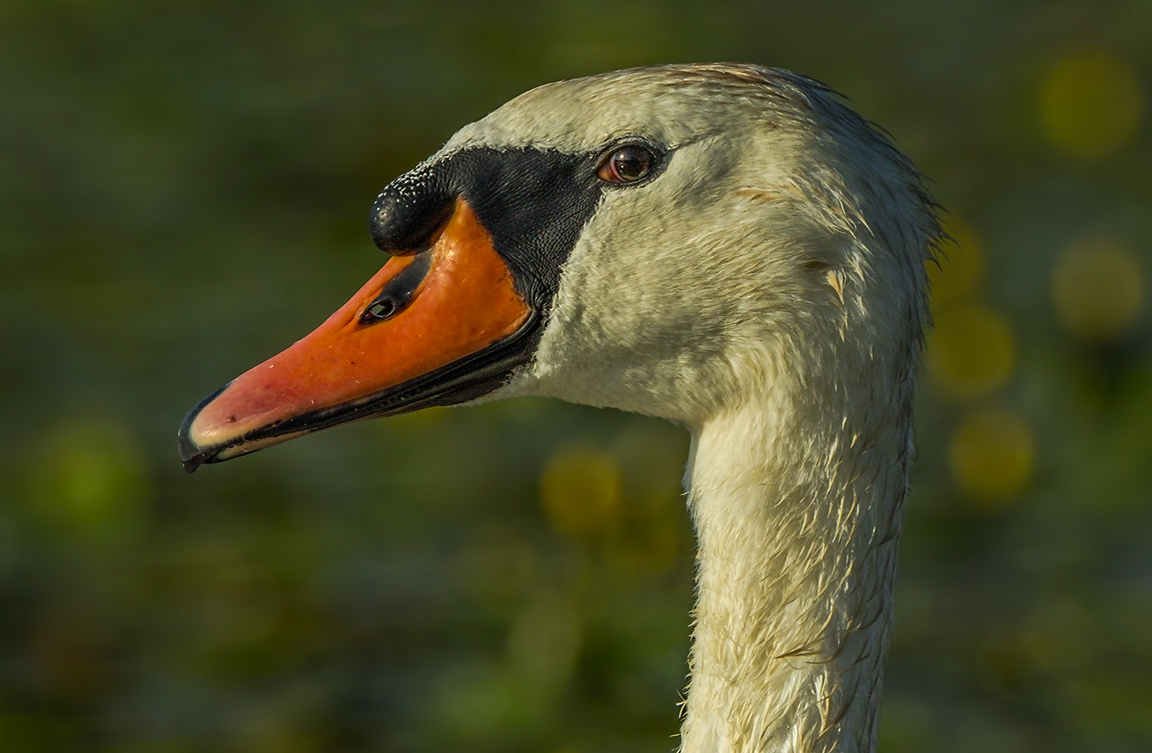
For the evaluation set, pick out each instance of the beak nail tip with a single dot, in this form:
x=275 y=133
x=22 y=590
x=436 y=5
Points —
x=192 y=455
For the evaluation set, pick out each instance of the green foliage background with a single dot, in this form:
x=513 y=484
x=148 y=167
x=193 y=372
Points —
x=183 y=191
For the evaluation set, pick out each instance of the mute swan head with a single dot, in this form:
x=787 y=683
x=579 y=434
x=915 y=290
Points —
x=728 y=247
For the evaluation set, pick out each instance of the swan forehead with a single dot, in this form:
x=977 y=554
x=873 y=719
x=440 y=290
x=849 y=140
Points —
x=673 y=105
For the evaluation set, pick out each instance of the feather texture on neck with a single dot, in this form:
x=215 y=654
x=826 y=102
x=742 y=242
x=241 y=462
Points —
x=797 y=553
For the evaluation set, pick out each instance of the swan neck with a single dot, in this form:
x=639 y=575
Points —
x=797 y=509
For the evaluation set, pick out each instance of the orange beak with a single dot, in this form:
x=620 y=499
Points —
x=438 y=327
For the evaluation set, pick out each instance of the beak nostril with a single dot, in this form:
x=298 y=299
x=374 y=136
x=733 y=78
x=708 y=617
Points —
x=398 y=292
x=382 y=309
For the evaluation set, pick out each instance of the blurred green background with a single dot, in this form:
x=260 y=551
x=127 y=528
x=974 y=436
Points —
x=184 y=189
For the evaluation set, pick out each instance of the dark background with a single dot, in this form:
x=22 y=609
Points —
x=184 y=189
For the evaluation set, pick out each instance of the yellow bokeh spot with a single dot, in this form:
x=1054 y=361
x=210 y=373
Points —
x=971 y=350
x=961 y=267
x=1098 y=288
x=992 y=455
x=580 y=492
x=1090 y=105
x=88 y=477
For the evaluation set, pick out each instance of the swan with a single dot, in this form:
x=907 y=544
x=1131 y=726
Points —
x=725 y=246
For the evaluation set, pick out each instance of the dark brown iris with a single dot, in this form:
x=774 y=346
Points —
x=627 y=164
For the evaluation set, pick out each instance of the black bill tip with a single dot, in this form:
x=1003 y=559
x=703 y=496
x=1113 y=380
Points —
x=193 y=455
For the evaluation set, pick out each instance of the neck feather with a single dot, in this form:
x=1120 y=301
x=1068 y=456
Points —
x=797 y=501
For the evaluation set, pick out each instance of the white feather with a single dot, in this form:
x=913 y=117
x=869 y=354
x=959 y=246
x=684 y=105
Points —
x=767 y=291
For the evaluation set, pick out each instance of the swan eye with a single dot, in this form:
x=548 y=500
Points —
x=627 y=164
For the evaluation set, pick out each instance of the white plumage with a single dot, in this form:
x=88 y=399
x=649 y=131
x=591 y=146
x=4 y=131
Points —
x=768 y=293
